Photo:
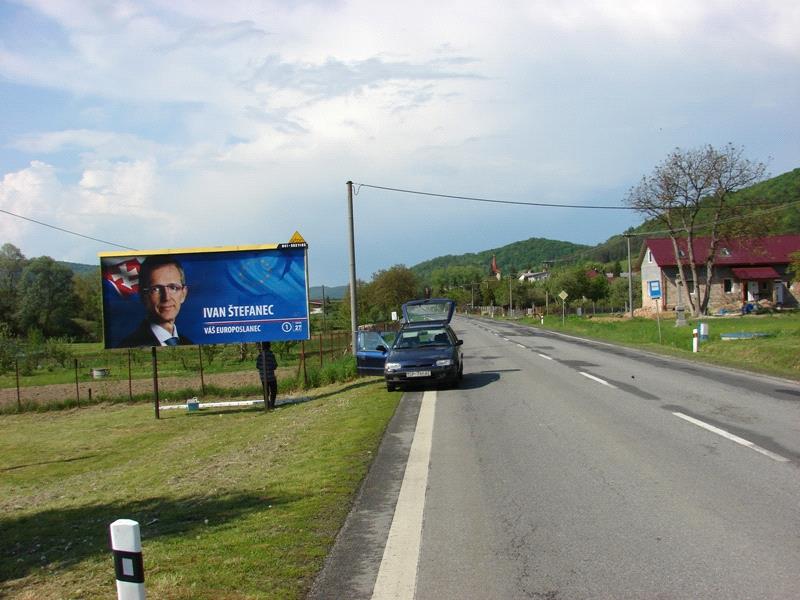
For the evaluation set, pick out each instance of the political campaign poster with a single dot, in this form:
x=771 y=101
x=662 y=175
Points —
x=200 y=296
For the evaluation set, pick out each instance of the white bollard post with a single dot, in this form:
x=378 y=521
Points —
x=126 y=544
x=695 y=340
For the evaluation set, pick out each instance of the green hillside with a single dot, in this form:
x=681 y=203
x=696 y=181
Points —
x=528 y=254
x=532 y=253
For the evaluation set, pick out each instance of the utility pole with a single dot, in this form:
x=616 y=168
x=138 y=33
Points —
x=510 y=297
x=353 y=292
x=630 y=275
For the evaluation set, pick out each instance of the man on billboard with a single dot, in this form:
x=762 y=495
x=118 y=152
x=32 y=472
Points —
x=162 y=290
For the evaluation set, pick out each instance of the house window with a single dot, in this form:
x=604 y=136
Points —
x=649 y=256
x=690 y=286
x=727 y=285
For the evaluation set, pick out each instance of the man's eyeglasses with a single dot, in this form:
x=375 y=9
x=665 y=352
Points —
x=157 y=290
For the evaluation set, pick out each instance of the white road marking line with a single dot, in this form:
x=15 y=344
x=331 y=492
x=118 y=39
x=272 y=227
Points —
x=521 y=346
x=597 y=379
x=730 y=436
x=397 y=576
x=545 y=356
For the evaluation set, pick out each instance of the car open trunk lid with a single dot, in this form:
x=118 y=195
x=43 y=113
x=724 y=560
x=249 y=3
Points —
x=437 y=311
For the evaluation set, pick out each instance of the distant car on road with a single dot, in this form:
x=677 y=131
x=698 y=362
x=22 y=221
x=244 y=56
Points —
x=426 y=349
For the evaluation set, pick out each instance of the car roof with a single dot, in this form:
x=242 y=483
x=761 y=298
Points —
x=432 y=311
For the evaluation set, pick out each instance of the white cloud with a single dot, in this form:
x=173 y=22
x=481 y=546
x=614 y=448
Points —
x=207 y=122
x=108 y=144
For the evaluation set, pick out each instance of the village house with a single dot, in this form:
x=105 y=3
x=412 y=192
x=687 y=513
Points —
x=745 y=271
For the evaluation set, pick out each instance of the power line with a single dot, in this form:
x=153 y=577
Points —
x=88 y=237
x=490 y=200
x=521 y=203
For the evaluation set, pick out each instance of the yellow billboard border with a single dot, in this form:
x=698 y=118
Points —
x=199 y=250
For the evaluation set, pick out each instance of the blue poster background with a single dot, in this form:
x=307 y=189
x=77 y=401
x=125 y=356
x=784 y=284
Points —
x=233 y=296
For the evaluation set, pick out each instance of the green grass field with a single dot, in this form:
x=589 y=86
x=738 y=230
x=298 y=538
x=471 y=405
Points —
x=236 y=504
x=777 y=354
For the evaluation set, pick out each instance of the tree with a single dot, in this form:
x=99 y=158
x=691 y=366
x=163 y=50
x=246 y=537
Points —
x=47 y=300
x=12 y=262
x=690 y=193
x=392 y=288
x=794 y=266
x=88 y=290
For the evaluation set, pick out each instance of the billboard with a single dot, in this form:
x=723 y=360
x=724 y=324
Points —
x=205 y=295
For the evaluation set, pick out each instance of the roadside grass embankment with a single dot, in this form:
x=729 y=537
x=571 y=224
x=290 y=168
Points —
x=778 y=353
x=239 y=504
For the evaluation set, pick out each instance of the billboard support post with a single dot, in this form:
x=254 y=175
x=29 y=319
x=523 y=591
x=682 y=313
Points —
x=303 y=360
x=155 y=382
x=202 y=380
x=130 y=377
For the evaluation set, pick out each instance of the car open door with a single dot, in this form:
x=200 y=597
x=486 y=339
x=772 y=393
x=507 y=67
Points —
x=369 y=359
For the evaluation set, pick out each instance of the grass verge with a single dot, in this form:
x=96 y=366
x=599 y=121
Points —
x=232 y=505
x=777 y=354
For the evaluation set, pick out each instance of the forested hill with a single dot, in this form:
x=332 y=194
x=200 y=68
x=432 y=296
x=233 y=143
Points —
x=519 y=256
x=530 y=254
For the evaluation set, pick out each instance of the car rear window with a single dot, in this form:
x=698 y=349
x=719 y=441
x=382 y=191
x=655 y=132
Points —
x=423 y=337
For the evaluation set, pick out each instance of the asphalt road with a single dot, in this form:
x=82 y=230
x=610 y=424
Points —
x=565 y=469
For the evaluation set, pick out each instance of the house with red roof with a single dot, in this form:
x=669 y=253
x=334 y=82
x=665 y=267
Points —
x=745 y=271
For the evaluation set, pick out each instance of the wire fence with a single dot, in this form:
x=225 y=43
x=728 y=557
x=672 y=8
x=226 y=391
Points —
x=42 y=378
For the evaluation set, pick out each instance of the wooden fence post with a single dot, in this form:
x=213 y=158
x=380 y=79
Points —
x=77 y=389
x=19 y=402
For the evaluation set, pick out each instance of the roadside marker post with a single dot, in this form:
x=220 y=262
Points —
x=126 y=545
x=695 y=340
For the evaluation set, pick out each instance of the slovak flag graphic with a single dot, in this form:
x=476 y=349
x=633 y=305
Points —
x=124 y=276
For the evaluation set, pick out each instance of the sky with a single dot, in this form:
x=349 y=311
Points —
x=197 y=123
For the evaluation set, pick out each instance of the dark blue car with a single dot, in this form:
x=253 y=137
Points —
x=426 y=349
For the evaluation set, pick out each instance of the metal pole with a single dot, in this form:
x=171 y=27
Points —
x=202 y=379
x=353 y=292
x=155 y=383
x=130 y=377
x=303 y=360
x=510 y=298
x=630 y=276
